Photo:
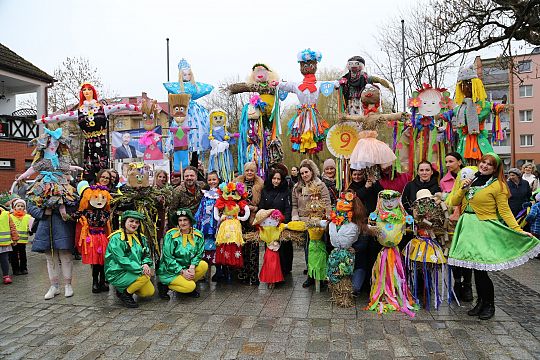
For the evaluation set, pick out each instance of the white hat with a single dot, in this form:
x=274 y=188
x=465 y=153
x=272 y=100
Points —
x=424 y=193
x=467 y=72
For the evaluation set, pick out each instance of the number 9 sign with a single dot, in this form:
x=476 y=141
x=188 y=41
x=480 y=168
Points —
x=342 y=139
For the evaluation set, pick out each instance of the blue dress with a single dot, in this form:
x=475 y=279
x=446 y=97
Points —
x=221 y=159
x=204 y=219
x=197 y=117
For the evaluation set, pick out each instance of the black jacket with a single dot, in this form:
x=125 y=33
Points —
x=368 y=196
x=412 y=187
x=520 y=193
x=277 y=198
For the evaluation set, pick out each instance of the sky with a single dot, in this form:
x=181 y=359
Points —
x=125 y=40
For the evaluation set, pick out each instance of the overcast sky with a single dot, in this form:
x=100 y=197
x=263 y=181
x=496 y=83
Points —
x=125 y=40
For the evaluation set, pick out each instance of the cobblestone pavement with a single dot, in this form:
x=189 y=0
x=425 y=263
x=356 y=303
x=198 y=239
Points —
x=241 y=322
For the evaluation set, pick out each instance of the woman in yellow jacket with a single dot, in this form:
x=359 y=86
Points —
x=481 y=240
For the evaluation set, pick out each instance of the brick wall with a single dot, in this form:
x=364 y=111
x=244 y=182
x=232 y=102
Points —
x=20 y=152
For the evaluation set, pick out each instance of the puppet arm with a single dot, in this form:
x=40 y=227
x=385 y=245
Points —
x=69 y=116
x=26 y=174
x=216 y=213
x=359 y=118
x=246 y=214
x=382 y=81
x=288 y=86
x=109 y=109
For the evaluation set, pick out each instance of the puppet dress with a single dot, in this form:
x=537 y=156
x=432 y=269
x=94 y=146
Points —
x=51 y=188
x=271 y=268
x=229 y=239
x=93 y=122
x=93 y=240
x=221 y=159
x=205 y=222
x=370 y=151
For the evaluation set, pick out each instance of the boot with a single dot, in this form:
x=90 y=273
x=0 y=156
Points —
x=475 y=311
x=194 y=294
x=95 y=279
x=466 y=292
x=127 y=299
x=162 y=291
x=487 y=311
x=309 y=281
x=103 y=286
x=458 y=289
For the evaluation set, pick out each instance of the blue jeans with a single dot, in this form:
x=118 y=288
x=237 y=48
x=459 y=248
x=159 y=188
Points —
x=360 y=262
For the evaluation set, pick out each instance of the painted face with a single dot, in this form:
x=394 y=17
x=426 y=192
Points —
x=355 y=66
x=184 y=224
x=190 y=177
x=253 y=112
x=430 y=102
x=132 y=225
x=486 y=167
x=466 y=88
x=308 y=67
x=186 y=75
x=424 y=172
x=276 y=179
x=467 y=173
x=330 y=172
x=390 y=204
x=306 y=174
x=98 y=201
x=218 y=118
x=270 y=221
x=88 y=93
x=19 y=207
x=213 y=181
x=371 y=95
x=260 y=74
x=452 y=164
x=357 y=175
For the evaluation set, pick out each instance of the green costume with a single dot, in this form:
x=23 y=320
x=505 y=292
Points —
x=179 y=252
x=124 y=258
x=468 y=143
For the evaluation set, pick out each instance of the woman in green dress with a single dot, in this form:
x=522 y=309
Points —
x=128 y=264
x=181 y=264
x=481 y=240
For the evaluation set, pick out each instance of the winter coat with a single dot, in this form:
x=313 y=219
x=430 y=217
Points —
x=331 y=185
x=412 y=187
x=301 y=198
x=368 y=196
x=447 y=182
x=520 y=193
x=62 y=232
x=277 y=198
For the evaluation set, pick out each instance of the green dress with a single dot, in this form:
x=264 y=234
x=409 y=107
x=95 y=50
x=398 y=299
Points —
x=489 y=244
x=124 y=258
x=179 y=252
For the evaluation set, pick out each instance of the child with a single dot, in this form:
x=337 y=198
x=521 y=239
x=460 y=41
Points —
x=207 y=224
x=23 y=222
x=8 y=237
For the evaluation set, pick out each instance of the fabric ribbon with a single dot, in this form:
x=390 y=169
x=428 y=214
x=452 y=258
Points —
x=50 y=176
x=57 y=134
x=53 y=157
x=309 y=83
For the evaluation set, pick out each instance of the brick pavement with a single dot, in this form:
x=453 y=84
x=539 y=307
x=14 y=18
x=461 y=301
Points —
x=241 y=322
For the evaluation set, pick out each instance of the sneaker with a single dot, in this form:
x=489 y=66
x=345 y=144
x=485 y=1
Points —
x=53 y=291
x=68 y=290
x=7 y=279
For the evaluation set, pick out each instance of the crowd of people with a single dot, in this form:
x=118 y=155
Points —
x=187 y=230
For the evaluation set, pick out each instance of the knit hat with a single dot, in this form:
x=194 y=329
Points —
x=515 y=171
x=132 y=214
x=328 y=163
x=18 y=201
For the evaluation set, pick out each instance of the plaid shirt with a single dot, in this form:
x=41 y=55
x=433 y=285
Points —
x=534 y=219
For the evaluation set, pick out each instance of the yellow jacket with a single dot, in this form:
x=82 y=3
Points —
x=488 y=203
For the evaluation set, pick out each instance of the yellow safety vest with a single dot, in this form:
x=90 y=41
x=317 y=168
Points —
x=5 y=233
x=22 y=227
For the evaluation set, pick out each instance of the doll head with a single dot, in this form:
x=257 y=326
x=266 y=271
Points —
x=184 y=72
x=356 y=64
x=469 y=85
x=87 y=92
x=218 y=118
x=232 y=191
x=427 y=213
x=343 y=212
x=255 y=107
x=150 y=110
x=308 y=60
x=51 y=141
x=268 y=217
x=178 y=106
x=429 y=101
x=138 y=176
x=262 y=74
x=95 y=197
x=371 y=95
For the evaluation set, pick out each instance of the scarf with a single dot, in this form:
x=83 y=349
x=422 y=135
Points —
x=308 y=83
x=19 y=213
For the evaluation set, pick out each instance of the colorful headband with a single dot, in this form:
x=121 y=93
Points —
x=497 y=158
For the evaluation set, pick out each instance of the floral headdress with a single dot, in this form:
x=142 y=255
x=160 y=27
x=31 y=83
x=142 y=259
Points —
x=309 y=55
x=343 y=211
x=231 y=187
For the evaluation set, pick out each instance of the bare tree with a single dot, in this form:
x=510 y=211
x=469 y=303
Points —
x=232 y=104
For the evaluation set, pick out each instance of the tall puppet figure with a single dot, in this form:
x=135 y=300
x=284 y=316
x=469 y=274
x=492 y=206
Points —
x=470 y=115
x=197 y=115
x=353 y=83
x=178 y=107
x=150 y=111
x=51 y=189
x=307 y=128
x=92 y=118
x=389 y=289
x=219 y=141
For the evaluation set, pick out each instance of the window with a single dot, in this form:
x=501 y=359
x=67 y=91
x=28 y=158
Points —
x=526 y=140
x=525 y=91
x=7 y=164
x=27 y=164
x=524 y=66
x=525 y=116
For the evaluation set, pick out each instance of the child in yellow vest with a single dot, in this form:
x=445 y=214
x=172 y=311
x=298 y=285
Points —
x=23 y=222
x=8 y=236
